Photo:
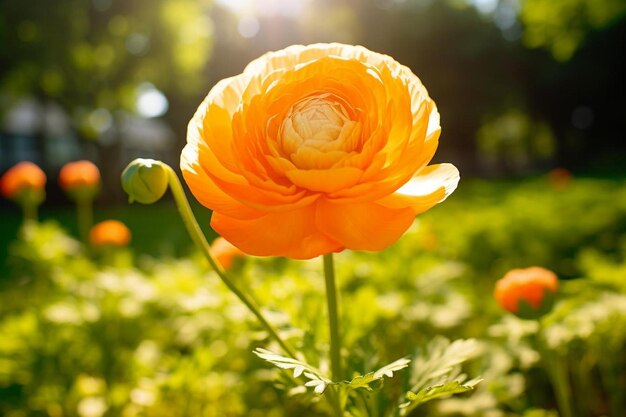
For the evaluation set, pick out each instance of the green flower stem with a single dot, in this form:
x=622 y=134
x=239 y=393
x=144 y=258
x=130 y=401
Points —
x=84 y=213
x=333 y=318
x=334 y=397
x=610 y=377
x=562 y=387
x=29 y=211
x=200 y=240
x=557 y=372
x=581 y=370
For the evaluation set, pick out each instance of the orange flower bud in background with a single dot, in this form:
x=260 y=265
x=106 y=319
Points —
x=109 y=233
x=528 y=293
x=560 y=179
x=315 y=149
x=225 y=252
x=24 y=180
x=80 y=179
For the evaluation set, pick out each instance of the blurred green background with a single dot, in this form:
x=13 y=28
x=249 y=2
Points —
x=532 y=101
x=523 y=86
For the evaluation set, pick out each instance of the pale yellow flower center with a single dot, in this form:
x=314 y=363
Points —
x=318 y=132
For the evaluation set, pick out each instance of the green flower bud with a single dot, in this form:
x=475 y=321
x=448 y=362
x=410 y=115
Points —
x=145 y=180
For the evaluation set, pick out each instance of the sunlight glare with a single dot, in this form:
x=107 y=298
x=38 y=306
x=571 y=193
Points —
x=265 y=8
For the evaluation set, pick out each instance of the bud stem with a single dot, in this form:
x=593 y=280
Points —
x=557 y=373
x=84 y=214
x=200 y=240
x=29 y=212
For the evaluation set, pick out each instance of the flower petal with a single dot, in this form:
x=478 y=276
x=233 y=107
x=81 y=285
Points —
x=316 y=148
x=432 y=137
x=207 y=193
x=363 y=226
x=325 y=180
x=429 y=187
x=292 y=234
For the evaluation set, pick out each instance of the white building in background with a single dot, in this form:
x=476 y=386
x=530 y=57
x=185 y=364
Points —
x=44 y=133
x=145 y=138
x=39 y=132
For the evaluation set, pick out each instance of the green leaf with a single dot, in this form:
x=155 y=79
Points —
x=364 y=381
x=388 y=370
x=440 y=359
x=317 y=381
x=438 y=391
x=436 y=372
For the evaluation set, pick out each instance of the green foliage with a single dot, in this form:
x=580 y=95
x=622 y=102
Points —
x=436 y=391
x=436 y=373
x=514 y=140
x=365 y=381
x=319 y=382
x=91 y=55
x=493 y=227
x=120 y=334
x=561 y=25
x=315 y=378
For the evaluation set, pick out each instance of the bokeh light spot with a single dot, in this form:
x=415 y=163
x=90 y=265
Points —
x=100 y=120
x=485 y=6
x=150 y=101
x=248 y=26
x=267 y=8
x=137 y=43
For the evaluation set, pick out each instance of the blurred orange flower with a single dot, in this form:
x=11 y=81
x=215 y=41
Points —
x=79 y=174
x=560 y=179
x=109 y=233
x=23 y=176
x=314 y=149
x=225 y=252
x=531 y=285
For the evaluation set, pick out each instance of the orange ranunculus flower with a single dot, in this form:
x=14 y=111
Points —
x=314 y=149
x=22 y=177
x=79 y=174
x=109 y=233
x=535 y=286
x=225 y=252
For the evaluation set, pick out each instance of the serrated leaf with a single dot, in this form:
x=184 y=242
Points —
x=312 y=375
x=320 y=388
x=318 y=385
x=438 y=391
x=437 y=372
x=440 y=359
x=364 y=381
x=388 y=370
x=316 y=379
x=297 y=371
x=435 y=392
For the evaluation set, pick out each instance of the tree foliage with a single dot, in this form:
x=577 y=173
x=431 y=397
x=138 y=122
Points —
x=95 y=54
x=562 y=25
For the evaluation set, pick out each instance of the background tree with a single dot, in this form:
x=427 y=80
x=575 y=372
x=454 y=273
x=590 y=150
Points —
x=95 y=57
x=526 y=85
